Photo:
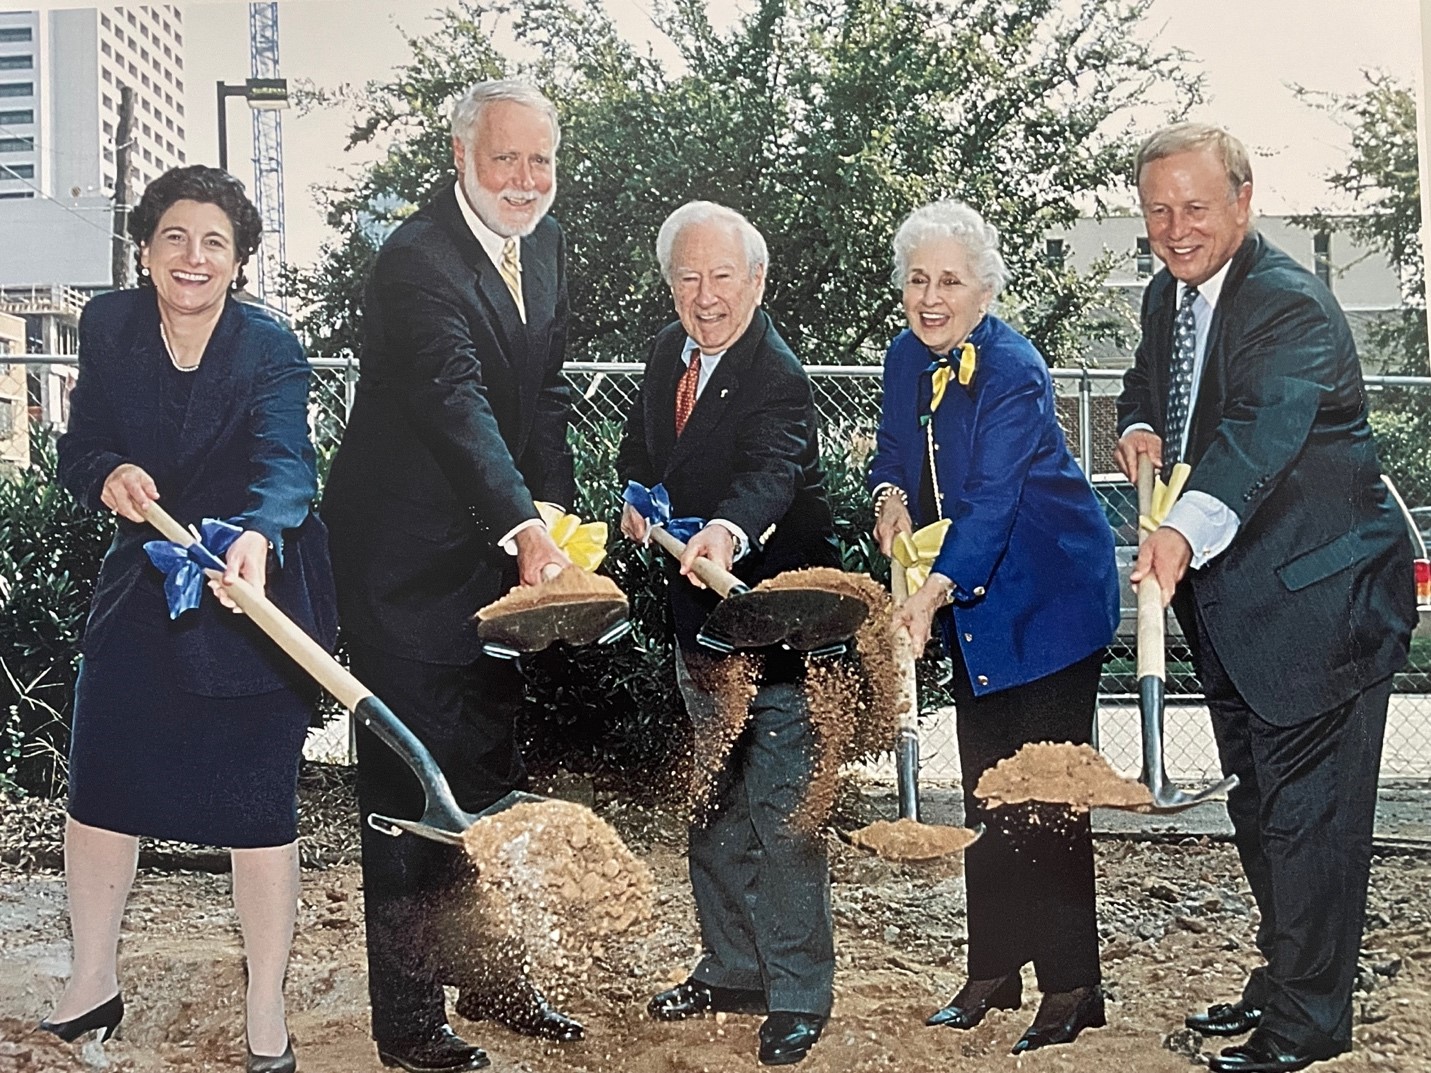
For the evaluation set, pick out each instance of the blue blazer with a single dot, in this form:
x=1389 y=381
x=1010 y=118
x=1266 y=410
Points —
x=1029 y=549
x=244 y=453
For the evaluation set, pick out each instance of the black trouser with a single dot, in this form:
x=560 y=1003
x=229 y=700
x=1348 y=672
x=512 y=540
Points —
x=464 y=715
x=1029 y=887
x=1302 y=817
x=762 y=889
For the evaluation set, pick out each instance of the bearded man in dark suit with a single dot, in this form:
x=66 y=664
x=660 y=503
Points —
x=459 y=424
x=1288 y=566
x=726 y=421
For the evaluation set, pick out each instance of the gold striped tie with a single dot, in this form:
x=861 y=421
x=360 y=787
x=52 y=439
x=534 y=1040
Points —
x=511 y=270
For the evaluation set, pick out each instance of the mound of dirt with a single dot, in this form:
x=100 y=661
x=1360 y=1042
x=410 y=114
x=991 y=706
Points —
x=909 y=840
x=1060 y=773
x=571 y=585
x=554 y=884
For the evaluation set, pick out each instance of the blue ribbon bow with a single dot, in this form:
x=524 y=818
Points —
x=184 y=565
x=654 y=504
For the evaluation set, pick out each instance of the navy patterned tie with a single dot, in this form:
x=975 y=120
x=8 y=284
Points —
x=1180 y=380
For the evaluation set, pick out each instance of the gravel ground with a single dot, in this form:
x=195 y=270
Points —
x=1175 y=913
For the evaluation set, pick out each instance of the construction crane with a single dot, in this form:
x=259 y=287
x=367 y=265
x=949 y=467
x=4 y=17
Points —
x=267 y=155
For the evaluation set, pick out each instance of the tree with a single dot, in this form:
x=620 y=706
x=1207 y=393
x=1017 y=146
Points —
x=824 y=121
x=1382 y=177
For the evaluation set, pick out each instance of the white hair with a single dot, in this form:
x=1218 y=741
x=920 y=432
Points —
x=956 y=220
x=704 y=212
x=469 y=107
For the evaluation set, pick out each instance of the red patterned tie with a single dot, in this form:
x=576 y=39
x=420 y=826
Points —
x=686 y=391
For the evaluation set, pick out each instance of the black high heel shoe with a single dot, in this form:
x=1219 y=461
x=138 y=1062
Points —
x=272 y=1063
x=106 y=1016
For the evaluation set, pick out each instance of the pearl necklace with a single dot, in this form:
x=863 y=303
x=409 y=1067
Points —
x=164 y=337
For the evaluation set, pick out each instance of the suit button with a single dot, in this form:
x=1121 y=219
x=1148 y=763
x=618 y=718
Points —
x=979 y=591
x=968 y=637
x=983 y=679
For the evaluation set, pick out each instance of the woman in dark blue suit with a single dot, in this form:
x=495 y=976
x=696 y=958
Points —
x=190 y=729
x=969 y=433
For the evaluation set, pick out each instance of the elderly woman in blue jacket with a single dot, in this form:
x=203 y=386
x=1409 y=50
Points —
x=1024 y=590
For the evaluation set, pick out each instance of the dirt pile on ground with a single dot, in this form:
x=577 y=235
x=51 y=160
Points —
x=910 y=840
x=23 y=1049
x=1059 y=773
x=555 y=884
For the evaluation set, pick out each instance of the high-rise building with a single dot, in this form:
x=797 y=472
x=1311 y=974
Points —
x=61 y=75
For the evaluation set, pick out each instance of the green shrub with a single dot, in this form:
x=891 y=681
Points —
x=50 y=549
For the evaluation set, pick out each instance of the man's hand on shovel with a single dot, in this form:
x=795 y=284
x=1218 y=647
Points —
x=715 y=543
x=1164 y=556
x=538 y=557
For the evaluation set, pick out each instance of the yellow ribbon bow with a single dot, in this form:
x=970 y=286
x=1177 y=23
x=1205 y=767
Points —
x=944 y=370
x=583 y=543
x=917 y=552
x=1164 y=496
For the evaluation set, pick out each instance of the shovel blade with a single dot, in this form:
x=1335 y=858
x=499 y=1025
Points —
x=801 y=619
x=1167 y=797
x=577 y=622
x=438 y=827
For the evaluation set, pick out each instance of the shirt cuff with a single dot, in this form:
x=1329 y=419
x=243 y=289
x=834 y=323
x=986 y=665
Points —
x=1206 y=523
x=742 y=545
x=1137 y=426
x=509 y=542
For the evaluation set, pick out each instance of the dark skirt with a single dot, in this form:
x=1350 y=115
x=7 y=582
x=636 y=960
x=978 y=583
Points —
x=149 y=759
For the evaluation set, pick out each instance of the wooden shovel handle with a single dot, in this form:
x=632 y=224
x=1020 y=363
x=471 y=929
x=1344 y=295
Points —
x=1152 y=659
x=306 y=652
x=721 y=582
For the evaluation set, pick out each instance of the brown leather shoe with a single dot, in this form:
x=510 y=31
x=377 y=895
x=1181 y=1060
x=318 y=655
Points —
x=976 y=998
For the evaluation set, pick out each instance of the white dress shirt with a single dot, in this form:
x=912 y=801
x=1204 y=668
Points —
x=1205 y=522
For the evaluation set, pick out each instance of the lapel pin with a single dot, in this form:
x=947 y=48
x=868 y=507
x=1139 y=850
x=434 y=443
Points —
x=724 y=392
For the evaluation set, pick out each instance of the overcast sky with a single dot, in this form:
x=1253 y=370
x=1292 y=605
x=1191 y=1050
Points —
x=1249 y=50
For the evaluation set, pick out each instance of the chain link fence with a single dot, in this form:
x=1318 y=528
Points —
x=848 y=399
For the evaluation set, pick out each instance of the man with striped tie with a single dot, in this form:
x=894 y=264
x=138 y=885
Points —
x=726 y=421
x=1289 y=569
x=458 y=426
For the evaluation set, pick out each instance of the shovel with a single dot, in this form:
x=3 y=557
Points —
x=577 y=607
x=1152 y=673
x=442 y=820
x=812 y=620
x=906 y=745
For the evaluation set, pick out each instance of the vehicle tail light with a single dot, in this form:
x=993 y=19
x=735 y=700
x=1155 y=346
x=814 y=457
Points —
x=1423 y=584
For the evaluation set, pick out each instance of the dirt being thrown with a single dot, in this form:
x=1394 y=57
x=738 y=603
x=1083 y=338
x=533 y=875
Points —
x=554 y=884
x=910 y=840
x=1060 y=773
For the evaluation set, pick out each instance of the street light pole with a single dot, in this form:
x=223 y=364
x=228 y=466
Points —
x=261 y=93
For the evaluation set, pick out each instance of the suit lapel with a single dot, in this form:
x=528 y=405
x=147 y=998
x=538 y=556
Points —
x=1206 y=411
x=501 y=308
x=719 y=393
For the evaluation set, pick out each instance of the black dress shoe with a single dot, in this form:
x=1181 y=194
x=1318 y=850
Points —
x=272 y=1063
x=692 y=998
x=1061 y=1016
x=785 y=1038
x=978 y=997
x=527 y=1015
x=442 y=1052
x=1225 y=1019
x=1264 y=1052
